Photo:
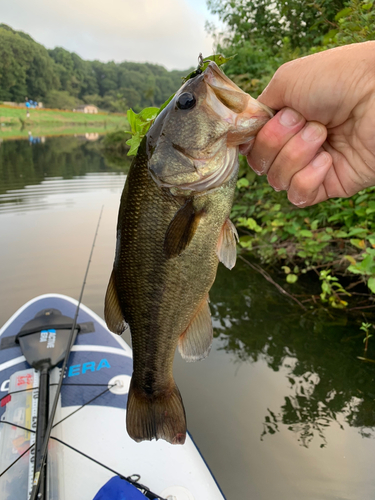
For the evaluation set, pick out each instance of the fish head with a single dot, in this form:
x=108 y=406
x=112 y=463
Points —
x=193 y=144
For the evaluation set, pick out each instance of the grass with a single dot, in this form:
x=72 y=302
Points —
x=46 y=122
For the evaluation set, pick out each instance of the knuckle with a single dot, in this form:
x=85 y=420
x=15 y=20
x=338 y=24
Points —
x=269 y=135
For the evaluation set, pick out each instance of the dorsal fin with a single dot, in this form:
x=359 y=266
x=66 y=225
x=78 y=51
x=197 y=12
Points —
x=181 y=230
x=112 y=310
x=226 y=245
x=195 y=343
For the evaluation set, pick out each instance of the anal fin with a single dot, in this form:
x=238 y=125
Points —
x=112 y=310
x=226 y=245
x=195 y=343
x=181 y=230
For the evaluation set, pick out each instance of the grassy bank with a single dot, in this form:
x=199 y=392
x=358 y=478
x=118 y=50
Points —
x=45 y=122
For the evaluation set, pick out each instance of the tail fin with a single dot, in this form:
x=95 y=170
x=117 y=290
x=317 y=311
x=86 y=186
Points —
x=159 y=416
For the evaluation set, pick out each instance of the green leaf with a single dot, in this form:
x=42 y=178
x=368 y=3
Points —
x=306 y=233
x=243 y=182
x=355 y=270
x=148 y=114
x=368 y=264
x=361 y=198
x=351 y=259
x=250 y=223
x=134 y=143
x=132 y=118
x=291 y=278
x=371 y=284
x=340 y=234
x=286 y=269
x=329 y=36
x=343 y=13
x=358 y=243
x=358 y=231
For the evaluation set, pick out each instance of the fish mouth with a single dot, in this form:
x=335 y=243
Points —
x=212 y=180
x=248 y=115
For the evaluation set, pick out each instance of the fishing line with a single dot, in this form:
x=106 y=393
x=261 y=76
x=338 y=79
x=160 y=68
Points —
x=72 y=339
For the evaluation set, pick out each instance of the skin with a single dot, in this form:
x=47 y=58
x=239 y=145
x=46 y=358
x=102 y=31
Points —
x=321 y=144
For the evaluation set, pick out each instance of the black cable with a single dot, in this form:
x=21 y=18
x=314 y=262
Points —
x=16 y=460
x=80 y=408
x=21 y=390
x=16 y=425
x=151 y=496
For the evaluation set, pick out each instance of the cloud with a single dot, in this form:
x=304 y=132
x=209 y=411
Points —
x=168 y=32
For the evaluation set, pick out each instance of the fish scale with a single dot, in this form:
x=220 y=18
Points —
x=159 y=296
x=173 y=228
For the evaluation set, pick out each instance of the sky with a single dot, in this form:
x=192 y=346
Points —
x=167 y=32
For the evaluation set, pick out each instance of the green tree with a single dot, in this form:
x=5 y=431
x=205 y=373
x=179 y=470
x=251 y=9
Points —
x=268 y=22
x=60 y=99
x=26 y=70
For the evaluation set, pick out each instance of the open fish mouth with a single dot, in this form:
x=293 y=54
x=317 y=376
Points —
x=212 y=180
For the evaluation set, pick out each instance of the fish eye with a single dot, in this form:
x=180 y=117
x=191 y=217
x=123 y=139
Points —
x=186 y=101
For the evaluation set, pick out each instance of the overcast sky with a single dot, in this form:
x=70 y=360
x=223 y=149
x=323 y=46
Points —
x=167 y=32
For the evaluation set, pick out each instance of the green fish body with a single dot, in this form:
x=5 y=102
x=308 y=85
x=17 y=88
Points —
x=173 y=229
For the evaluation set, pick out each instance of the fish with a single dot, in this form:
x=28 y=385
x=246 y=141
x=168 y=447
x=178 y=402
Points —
x=173 y=230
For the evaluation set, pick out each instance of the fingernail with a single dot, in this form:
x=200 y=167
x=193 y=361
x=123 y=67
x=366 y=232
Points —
x=298 y=202
x=320 y=160
x=312 y=132
x=289 y=117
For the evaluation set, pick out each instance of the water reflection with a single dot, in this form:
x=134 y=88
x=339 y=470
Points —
x=282 y=404
x=64 y=165
x=328 y=385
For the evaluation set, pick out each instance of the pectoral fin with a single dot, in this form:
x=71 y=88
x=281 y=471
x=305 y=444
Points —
x=195 y=343
x=226 y=245
x=112 y=310
x=181 y=230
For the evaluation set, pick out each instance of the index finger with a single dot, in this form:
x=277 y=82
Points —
x=272 y=138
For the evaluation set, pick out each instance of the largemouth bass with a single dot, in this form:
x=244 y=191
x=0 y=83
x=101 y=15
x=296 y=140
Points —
x=173 y=229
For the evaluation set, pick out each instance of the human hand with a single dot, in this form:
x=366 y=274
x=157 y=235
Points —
x=322 y=142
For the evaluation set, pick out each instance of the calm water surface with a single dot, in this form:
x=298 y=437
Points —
x=281 y=409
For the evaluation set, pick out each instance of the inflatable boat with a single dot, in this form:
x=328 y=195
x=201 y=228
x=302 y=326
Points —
x=90 y=455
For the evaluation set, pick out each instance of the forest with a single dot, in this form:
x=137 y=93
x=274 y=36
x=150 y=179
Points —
x=61 y=79
x=331 y=244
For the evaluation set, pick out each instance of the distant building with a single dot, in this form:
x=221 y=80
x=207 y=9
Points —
x=87 y=108
x=92 y=136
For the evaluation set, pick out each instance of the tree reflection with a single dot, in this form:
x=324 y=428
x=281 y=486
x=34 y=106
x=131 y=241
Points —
x=22 y=164
x=317 y=350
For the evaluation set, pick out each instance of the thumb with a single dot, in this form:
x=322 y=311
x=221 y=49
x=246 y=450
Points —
x=275 y=94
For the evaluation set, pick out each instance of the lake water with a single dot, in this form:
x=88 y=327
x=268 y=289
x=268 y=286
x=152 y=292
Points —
x=281 y=409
